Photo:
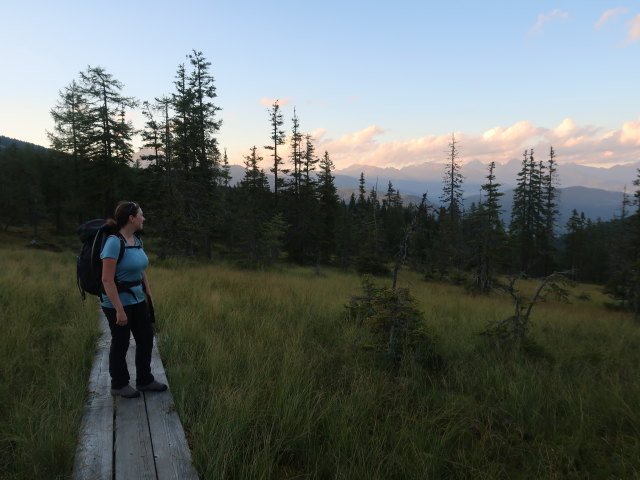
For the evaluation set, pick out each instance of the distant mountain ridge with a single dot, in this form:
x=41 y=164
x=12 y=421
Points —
x=5 y=142
x=416 y=179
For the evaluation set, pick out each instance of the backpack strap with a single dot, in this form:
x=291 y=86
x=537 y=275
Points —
x=124 y=286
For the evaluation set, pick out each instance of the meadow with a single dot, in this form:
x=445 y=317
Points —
x=46 y=350
x=273 y=380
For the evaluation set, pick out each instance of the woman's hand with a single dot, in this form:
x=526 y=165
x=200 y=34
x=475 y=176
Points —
x=121 y=318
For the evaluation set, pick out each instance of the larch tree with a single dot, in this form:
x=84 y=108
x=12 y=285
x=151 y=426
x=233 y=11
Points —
x=109 y=133
x=70 y=135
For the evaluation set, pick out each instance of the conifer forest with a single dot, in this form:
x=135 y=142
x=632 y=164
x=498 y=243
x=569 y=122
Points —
x=286 y=208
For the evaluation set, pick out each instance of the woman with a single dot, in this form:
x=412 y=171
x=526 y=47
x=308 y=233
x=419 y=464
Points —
x=123 y=302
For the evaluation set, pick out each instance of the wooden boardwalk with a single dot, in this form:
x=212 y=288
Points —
x=130 y=438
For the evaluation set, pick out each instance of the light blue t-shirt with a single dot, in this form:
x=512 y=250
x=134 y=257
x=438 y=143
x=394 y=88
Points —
x=130 y=269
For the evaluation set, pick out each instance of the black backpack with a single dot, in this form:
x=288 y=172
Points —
x=93 y=234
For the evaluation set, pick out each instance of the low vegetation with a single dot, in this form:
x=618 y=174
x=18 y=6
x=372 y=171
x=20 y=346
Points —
x=46 y=350
x=273 y=379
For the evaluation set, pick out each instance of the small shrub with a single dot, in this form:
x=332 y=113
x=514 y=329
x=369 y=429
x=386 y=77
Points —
x=396 y=324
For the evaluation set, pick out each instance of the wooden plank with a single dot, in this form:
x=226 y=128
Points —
x=132 y=442
x=146 y=440
x=132 y=447
x=94 y=454
x=172 y=455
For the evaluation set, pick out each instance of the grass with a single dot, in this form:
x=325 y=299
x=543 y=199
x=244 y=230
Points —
x=271 y=380
x=46 y=349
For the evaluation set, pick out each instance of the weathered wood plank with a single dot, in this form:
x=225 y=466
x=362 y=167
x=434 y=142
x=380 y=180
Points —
x=146 y=440
x=132 y=443
x=94 y=455
x=132 y=447
x=173 y=458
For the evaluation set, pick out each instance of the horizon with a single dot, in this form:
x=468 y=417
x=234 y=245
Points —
x=372 y=85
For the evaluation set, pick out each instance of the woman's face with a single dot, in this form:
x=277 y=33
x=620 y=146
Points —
x=138 y=219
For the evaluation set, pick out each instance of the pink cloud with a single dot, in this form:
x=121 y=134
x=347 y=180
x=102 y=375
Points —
x=582 y=144
x=634 y=30
x=630 y=133
x=267 y=102
x=604 y=18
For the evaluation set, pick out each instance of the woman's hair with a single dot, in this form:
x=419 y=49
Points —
x=122 y=212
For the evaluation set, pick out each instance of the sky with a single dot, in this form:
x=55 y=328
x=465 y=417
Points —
x=376 y=83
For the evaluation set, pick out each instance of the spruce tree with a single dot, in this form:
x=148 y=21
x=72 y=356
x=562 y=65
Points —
x=309 y=159
x=451 y=196
x=450 y=240
x=489 y=239
x=277 y=138
x=296 y=155
x=328 y=208
x=253 y=210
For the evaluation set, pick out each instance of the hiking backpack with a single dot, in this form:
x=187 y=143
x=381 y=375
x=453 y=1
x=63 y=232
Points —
x=93 y=234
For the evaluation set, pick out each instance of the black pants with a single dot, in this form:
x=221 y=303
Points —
x=140 y=325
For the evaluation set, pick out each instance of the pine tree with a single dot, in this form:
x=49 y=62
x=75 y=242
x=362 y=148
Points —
x=203 y=116
x=329 y=208
x=277 y=137
x=296 y=155
x=452 y=183
x=450 y=242
x=253 y=210
x=181 y=103
x=526 y=213
x=309 y=159
x=550 y=213
x=489 y=239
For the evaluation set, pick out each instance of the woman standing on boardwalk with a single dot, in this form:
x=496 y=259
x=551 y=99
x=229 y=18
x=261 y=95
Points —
x=123 y=301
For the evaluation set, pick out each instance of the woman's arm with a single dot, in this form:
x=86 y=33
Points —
x=109 y=283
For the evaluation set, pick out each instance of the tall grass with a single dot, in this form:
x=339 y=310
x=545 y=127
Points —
x=272 y=381
x=46 y=349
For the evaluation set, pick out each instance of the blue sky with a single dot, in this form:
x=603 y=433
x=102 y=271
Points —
x=381 y=83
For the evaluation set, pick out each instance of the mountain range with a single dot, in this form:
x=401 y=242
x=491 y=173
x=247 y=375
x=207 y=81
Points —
x=413 y=179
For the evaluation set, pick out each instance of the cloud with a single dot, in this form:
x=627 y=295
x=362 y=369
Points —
x=582 y=144
x=267 y=102
x=630 y=133
x=604 y=18
x=547 y=17
x=634 y=30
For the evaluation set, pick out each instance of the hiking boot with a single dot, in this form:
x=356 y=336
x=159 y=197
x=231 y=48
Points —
x=154 y=386
x=127 y=392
